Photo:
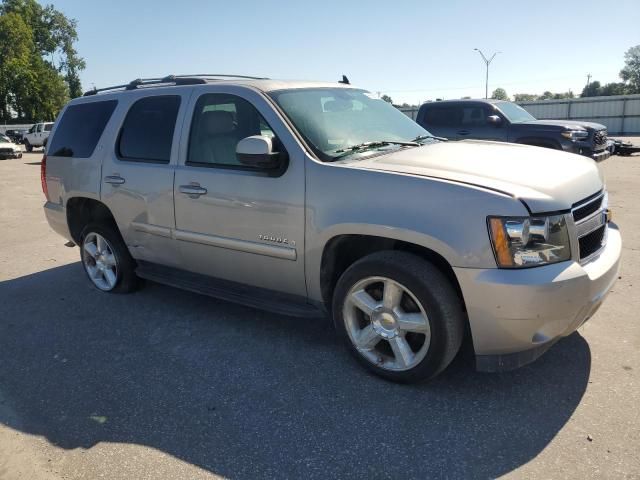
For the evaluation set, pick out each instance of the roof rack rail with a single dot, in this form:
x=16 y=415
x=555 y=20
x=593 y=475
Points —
x=195 y=79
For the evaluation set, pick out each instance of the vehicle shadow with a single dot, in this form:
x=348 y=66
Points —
x=248 y=394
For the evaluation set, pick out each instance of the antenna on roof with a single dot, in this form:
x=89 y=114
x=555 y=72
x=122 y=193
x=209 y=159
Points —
x=344 y=80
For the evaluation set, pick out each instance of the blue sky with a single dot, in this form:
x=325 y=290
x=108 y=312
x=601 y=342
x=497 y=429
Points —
x=411 y=50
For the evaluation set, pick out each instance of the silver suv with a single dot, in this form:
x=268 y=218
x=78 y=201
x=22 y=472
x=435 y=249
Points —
x=310 y=199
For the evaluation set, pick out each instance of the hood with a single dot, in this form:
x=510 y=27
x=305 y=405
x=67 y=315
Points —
x=545 y=180
x=567 y=124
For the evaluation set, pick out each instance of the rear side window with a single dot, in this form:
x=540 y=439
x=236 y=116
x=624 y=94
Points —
x=147 y=132
x=443 y=116
x=48 y=127
x=80 y=129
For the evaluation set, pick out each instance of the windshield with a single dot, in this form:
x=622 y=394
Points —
x=334 y=119
x=514 y=113
x=4 y=138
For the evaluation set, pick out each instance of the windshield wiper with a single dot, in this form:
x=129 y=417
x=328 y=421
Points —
x=361 y=147
x=425 y=137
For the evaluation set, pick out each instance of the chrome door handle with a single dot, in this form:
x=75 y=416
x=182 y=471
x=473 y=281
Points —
x=114 y=180
x=193 y=190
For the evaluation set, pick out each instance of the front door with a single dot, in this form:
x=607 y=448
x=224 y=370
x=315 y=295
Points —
x=235 y=222
x=474 y=124
x=138 y=170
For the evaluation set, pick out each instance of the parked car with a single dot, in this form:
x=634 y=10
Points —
x=8 y=149
x=507 y=122
x=310 y=199
x=37 y=136
x=16 y=135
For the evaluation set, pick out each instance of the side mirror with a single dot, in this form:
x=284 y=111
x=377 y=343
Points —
x=257 y=151
x=494 y=120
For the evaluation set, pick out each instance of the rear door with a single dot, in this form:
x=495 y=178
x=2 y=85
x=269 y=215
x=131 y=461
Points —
x=234 y=222
x=442 y=120
x=138 y=170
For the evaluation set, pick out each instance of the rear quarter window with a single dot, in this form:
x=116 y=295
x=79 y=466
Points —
x=80 y=129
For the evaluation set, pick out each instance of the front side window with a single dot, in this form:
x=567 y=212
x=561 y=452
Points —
x=220 y=121
x=474 y=116
x=147 y=132
x=80 y=129
x=335 y=119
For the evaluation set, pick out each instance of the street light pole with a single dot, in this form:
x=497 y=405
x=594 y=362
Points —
x=487 y=62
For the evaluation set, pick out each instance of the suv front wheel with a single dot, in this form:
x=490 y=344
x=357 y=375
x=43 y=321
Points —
x=399 y=315
x=106 y=260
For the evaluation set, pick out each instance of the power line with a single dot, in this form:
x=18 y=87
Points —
x=519 y=82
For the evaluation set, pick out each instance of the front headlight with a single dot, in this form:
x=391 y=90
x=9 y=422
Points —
x=529 y=241
x=575 y=134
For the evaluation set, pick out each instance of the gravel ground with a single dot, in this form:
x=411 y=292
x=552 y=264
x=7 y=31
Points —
x=168 y=384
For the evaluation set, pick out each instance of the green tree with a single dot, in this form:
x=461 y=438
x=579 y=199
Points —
x=39 y=65
x=614 y=88
x=561 y=95
x=500 y=94
x=16 y=45
x=524 y=97
x=591 y=90
x=631 y=71
x=386 y=98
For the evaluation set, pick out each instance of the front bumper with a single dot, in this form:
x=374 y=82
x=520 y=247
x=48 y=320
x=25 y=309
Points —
x=601 y=155
x=585 y=149
x=6 y=155
x=516 y=315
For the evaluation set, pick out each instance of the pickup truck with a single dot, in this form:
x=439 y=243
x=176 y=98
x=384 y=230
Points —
x=319 y=199
x=507 y=122
x=37 y=135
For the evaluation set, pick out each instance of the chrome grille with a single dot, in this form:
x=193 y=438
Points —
x=6 y=150
x=589 y=216
x=600 y=137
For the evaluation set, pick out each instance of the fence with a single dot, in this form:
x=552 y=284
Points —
x=26 y=126
x=619 y=113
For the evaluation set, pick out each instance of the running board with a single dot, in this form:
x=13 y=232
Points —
x=255 y=297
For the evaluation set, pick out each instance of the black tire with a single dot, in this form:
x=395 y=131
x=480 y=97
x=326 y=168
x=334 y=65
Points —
x=28 y=146
x=431 y=288
x=126 y=279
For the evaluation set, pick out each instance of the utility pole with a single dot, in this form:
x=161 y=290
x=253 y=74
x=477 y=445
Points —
x=487 y=62
x=588 y=80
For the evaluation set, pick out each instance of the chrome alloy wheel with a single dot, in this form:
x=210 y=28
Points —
x=99 y=261
x=386 y=323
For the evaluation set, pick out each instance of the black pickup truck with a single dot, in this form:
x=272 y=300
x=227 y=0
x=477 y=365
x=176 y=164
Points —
x=507 y=122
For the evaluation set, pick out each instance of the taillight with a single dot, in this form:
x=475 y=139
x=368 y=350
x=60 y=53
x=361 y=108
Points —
x=43 y=176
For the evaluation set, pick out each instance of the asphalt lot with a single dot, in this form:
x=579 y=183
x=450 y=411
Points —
x=168 y=384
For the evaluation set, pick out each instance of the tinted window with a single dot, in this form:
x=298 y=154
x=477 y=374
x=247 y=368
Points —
x=48 y=127
x=443 y=116
x=147 y=132
x=474 y=116
x=219 y=123
x=80 y=129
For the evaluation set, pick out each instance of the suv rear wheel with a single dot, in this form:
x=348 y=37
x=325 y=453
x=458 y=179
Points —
x=106 y=260
x=28 y=146
x=399 y=316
